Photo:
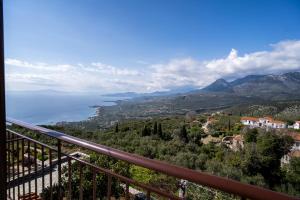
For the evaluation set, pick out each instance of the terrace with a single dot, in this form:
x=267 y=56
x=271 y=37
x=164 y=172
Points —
x=30 y=165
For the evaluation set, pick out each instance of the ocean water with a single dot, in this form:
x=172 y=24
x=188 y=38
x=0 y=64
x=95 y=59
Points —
x=51 y=108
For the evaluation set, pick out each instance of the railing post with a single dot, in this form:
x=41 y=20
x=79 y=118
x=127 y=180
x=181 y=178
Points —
x=108 y=186
x=81 y=182
x=127 y=191
x=59 y=168
x=70 y=178
x=3 y=176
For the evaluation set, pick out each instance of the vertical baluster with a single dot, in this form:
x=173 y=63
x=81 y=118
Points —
x=127 y=191
x=70 y=178
x=23 y=168
x=18 y=167
x=108 y=186
x=43 y=168
x=59 y=167
x=148 y=195
x=13 y=167
x=50 y=173
x=35 y=168
x=29 y=166
x=80 y=183
x=94 y=184
x=8 y=164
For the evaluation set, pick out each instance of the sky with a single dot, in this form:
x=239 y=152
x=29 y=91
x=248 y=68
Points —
x=108 y=46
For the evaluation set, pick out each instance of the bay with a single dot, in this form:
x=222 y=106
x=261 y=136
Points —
x=50 y=108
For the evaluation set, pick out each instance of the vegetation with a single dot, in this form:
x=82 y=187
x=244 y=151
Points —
x=178 y=141
x=174 y=140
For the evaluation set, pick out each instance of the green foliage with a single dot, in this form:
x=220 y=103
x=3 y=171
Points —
x=141 y=174
x=155 y=128
x=292 y=177
x=41 y=158
x=119 y=167
x=173 y=140
x=146 y=131
x=271 y=148
x=160 y=132
x=117 y=128
x=183 y=135
x=251 y=135
x=46 y=193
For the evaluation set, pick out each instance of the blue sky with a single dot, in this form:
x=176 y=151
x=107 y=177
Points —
x=139 y=45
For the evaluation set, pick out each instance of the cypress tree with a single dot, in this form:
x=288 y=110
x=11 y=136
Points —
x=183 y=134
x=160 y=131
x=117 y=128
x=155 y=128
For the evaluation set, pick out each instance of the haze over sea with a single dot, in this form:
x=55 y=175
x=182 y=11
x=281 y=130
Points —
x=50 y=108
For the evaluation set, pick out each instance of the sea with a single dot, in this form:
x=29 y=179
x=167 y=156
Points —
x=50 y=108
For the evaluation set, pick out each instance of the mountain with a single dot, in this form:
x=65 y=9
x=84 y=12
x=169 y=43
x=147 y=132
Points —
x=220 y=85
x=275 y=87
x=240 y=94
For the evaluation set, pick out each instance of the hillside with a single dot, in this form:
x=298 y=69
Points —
x=236 y=96
x=269 y=87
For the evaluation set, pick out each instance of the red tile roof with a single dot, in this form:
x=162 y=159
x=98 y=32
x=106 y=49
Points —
x=295 y=136
x=249 y=118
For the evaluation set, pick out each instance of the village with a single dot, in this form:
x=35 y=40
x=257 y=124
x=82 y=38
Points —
x=236 y=142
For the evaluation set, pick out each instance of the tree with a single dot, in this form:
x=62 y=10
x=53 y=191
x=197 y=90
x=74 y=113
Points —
x=271 y=148
x=251 y=163
x=159 y=131
x=251 y=135
x=117 y=128
x=292 y=177
x=183 y=134
x=155 y=128
x=195 y=135
x=146 y=131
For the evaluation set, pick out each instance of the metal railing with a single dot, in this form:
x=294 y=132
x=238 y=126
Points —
x=25 y=176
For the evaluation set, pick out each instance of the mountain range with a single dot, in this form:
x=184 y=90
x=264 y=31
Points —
x=272 y=87
x=275 y=87
x=265 y=90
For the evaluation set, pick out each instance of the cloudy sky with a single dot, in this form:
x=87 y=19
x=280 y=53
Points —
x=144 y=46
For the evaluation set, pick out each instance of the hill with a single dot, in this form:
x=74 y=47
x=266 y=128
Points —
x=270 y=87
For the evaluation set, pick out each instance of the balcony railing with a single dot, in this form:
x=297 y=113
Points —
x=28 y=176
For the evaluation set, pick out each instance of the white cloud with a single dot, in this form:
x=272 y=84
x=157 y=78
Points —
x=111 y=70
x=103 y=78
x=38 y=66
x=284 y=56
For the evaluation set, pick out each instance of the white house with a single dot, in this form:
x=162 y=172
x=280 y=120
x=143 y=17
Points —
x=250 y=121
x=276 y=124
x=297 y=125
x=295 y=150
x=296 y=137
x=264 y=122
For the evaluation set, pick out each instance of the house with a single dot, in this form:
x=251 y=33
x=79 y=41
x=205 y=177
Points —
x=295 y=150
x=296 y=137
x=296 y=125
x=276 y=124
x=250 y=121
x=286 y=158
x=264 y=122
